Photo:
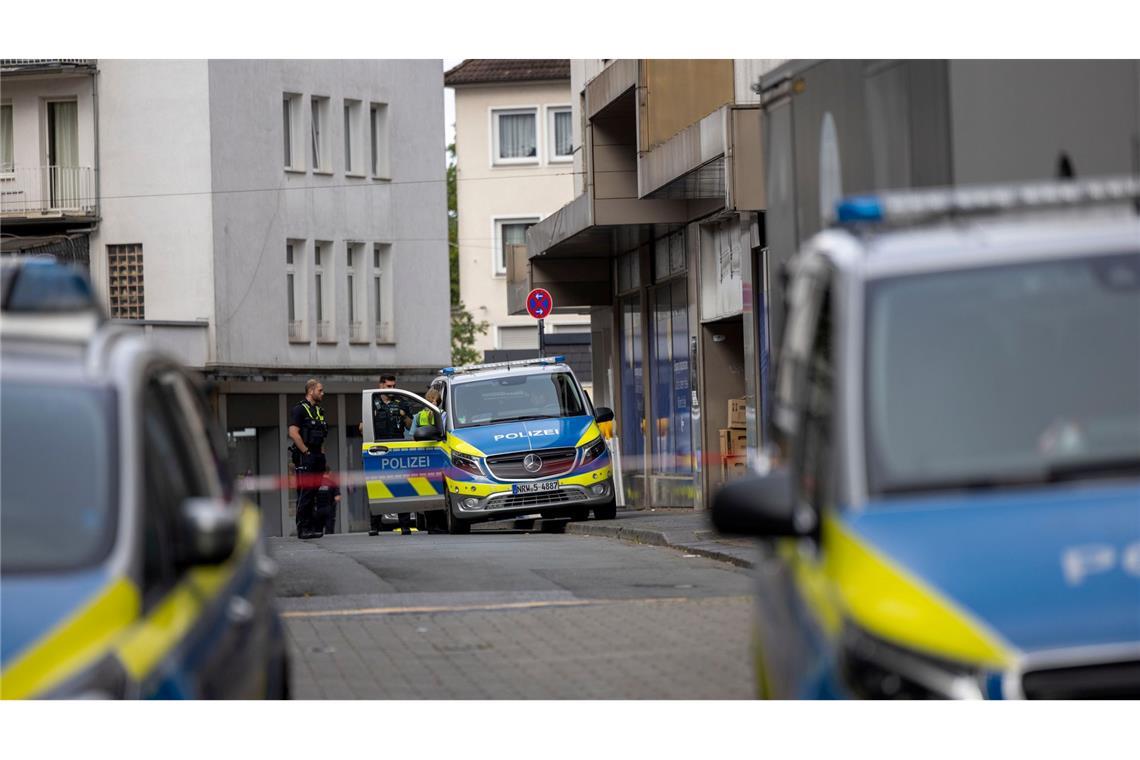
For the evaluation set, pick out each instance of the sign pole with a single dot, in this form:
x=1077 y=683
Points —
x=542 y=338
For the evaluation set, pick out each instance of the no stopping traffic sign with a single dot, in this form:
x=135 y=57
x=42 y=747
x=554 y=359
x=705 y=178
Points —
x=539 y=303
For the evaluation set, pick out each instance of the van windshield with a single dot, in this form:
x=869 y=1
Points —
x=1004 y=375
x=515 y=398
x=57 y=485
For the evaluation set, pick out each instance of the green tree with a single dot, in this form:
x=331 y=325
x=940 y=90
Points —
x=464 y=328
x=452 y=225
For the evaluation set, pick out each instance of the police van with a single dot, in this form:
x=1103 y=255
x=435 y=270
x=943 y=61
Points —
x=505 y=440
x=956 y=513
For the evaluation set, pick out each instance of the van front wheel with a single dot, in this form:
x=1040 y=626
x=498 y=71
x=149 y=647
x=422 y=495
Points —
x=455 y=526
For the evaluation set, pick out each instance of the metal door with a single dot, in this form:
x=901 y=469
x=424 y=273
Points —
x=401 y=474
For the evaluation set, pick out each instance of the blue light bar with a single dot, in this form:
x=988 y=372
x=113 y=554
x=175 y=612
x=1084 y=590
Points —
x=500 y=365
x=859 y=208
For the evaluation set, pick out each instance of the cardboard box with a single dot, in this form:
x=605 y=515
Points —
x=736 y=413
x=733 y=467
x=733 y=442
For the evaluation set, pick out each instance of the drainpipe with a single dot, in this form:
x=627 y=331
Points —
x=95 y=110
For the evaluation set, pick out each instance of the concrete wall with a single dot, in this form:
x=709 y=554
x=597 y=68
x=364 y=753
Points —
x=251 y=227
x=487 y=192
x=154 y=145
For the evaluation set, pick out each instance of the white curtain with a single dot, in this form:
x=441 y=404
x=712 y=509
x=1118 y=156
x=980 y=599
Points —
x=6 y=161
x=563 y=144
x=517 y=135
x=65 y=155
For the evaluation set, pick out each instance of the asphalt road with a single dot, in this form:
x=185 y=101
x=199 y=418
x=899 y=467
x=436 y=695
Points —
x=511 y=614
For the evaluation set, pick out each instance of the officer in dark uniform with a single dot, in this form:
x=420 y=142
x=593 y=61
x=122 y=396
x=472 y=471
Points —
x=308 y=431
x=391 y=415
x=328 y=497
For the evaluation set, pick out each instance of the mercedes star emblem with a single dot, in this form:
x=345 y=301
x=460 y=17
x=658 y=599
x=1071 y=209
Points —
x=532 y=463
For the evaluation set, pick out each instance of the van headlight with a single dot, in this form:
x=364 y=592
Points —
x=466 y=463
x=873 y=668
x=593 y=450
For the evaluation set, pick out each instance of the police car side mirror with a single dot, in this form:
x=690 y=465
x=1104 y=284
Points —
x=208 y=531
x=427 y=433
x=603 y=414
x=764 y=506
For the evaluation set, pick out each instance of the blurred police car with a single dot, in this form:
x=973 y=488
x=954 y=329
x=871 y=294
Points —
x=129 y=568
x=958 y=402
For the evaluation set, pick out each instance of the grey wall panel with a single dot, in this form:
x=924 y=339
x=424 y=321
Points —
x=1013 y=119
x=929 y=123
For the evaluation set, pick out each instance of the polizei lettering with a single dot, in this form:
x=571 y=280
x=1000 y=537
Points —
x=405 y=463
x=525 y=434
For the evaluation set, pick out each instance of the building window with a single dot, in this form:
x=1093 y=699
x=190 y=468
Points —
x=669 y=255
x=516 y=136
x=378 y=121
x=7 y=162
x=322 y=293
x=381 y=295
x=354 y=258
x=353 y=153
x=290 y=118
x=509 y=232
x=518 y=336
x=319 y=133
x=293 y=291
x=560 y=134
x=125 y=281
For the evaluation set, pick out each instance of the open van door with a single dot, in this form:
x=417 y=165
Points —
x=401 y=473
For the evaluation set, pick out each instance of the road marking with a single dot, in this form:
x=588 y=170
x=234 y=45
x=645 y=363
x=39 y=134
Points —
x=501 y=606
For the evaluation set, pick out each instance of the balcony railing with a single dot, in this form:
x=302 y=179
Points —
x=326 y=333
x=384 y=332
x=32 y=190
x=356 y=332
x=33 y=65
x=297 y=332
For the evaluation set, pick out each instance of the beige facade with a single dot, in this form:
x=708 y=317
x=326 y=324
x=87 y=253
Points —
x=495 y=193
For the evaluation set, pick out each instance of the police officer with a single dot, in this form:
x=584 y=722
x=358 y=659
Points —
x=308 y=430
x=391 y=415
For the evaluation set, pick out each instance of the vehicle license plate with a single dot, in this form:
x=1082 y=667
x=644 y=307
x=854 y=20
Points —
x=551 y=485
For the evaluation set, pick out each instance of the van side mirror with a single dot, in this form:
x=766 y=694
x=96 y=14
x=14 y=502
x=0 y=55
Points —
x=764 y=506
x=603 y=414
x=428 y=433
x=208 y=531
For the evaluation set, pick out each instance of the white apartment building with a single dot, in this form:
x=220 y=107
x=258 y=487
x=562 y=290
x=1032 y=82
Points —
x=515 y=162
x=267 y=221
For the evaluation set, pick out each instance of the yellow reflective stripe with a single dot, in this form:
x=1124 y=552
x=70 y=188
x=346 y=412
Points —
x=423 y=486
x=888 y=601
x=587 y=478
x=377 y=490
x=142 y=648
x=74 y=643
x=590 y=434
x=476 y=489
x=814 y=585
x=455 y=443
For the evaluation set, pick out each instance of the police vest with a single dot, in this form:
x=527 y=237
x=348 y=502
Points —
x=425 y=418
x=315 y=429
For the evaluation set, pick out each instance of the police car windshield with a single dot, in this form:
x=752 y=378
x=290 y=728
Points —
x=515 y=398
x=1003 y=375
x=57 y=484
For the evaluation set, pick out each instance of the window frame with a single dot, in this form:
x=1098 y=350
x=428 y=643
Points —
x=498 y=252
x=353 y=138
x=296 y=270
x=497 y=159
x=6 y=105
x=324 y=293
x=382 y=311
x=319 y=133
x=380 y=166
x=552 y=134
x=293 y=100
x=355 y=266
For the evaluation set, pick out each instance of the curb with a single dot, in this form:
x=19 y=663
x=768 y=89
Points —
x=659 y=538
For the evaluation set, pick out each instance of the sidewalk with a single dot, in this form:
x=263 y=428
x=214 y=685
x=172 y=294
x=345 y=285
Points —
x=684 y=529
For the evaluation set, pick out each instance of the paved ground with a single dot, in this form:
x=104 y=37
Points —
x=520 y=614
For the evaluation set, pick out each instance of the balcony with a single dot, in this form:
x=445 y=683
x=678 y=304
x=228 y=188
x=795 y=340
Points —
x=356 y=333
x=326 y=332
x=297 y=332
x=384 y=332
x=10 y=66
x=39 y=192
